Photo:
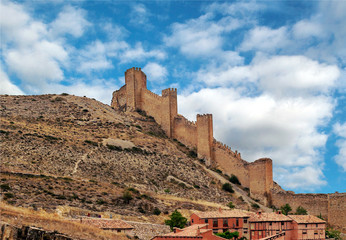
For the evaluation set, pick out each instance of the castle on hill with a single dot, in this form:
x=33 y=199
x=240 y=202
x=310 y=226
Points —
x=257 y=175
x=134 y=95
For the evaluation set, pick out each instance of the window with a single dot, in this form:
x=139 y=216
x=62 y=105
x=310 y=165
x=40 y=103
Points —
x=270 y=224
x=237 y=222
x=316 y=225
x=252 y=226
x=282 y=223
x=206 y=220
x=225 y=223
x=215 y=223
x=245 y=220
x=253 y=233
x=304 y=231
x=306 y=225
x=245 y=230
x=260 y=233
x=192 y=220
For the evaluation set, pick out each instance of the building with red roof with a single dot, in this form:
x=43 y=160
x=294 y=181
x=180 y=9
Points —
x=193 y=232
x=307 y=227
x=224 y=220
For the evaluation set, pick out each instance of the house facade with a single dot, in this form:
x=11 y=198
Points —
x=307 y=227
x=223 y=220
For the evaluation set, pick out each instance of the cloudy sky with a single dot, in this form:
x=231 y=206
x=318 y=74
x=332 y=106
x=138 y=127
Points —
x=272 y=73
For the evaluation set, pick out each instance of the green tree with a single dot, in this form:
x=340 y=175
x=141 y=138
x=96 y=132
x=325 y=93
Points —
x=231 y=205
x=228 y=235
x=331 y=233
x=286 y=209
x=301 y=211
x=176 y=220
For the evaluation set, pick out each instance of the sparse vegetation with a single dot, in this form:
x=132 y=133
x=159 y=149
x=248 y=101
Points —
x=332 y=233
x=91 y=143
x=5 y=187
x=127 y=197
x=157 y=211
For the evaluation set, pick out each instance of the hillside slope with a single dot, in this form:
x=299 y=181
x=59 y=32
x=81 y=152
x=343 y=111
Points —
x=79 y=152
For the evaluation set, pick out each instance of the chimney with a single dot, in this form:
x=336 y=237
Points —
x=259 y=212
x=278 y=212
x=220 y=210
x=198 y=231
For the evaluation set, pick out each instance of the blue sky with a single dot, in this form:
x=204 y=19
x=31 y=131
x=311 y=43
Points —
x=272 y=73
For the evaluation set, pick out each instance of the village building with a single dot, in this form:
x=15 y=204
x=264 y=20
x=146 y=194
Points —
x=307 y=227
x=193 y=232
x=266 y=225
x=224 y=220
x=115 y=225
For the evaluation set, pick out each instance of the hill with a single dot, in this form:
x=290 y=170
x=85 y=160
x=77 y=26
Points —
x=63 y=150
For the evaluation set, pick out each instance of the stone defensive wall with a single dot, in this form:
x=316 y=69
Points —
x=257 y=175
x=185 y=131
x=331 y=207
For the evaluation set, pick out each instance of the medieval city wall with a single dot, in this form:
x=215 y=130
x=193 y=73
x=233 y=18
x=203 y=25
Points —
x=231 y=163
x=119 y=98
x=152 y=104
x=205 y=138
x=337 y=210
x=185 y=131
x=316 y=204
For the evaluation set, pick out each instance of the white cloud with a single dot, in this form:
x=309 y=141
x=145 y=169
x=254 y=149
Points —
x=201 y=36
x=340 y=131
x=138 y=53
x=155 y=72
x=265 y=39
x=139 y=15
x=305 y=29
x=70 y=21
x=7 y=87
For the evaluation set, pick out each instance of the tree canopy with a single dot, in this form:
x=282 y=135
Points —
x=286 y=209
x=176 y=220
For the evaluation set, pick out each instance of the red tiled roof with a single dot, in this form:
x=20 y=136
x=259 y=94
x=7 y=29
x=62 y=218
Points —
x=235 y=213
x=105 y=223
x=268 y=217
x=306 y=219
x=191 y=231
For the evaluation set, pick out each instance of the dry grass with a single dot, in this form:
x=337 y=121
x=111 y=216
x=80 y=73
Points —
x=53 y=222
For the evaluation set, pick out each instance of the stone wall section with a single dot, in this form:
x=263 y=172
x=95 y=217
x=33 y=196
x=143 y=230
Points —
x=185 y=131
x=231 y=163
x=337 y=210
x=205 y=138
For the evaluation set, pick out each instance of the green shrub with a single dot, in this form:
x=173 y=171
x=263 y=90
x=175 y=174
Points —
x=196 y=186
x=141 y=210
x=234 y=179
x=115 y=148
x=5 y=187
x=157 y=211
x=167 y=190
x=8 y=195
x=192 y=154
x=255 y=206
x=227 y=187
x=127 y=197
x=228 y=235
x=100 y=201
x=131 y=189
x=231 y=205
x=91 y=143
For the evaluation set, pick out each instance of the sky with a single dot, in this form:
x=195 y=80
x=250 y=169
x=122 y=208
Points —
x=272 y=73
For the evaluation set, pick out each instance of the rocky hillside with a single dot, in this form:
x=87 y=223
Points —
x=67 y=150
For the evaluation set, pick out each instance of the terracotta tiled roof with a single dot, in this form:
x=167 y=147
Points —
x=191 y=231
x=306 y=219
x=105 y=223
x=235 y=213
x=268 y=217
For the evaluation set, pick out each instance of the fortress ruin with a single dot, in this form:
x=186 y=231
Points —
x=257 y=175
